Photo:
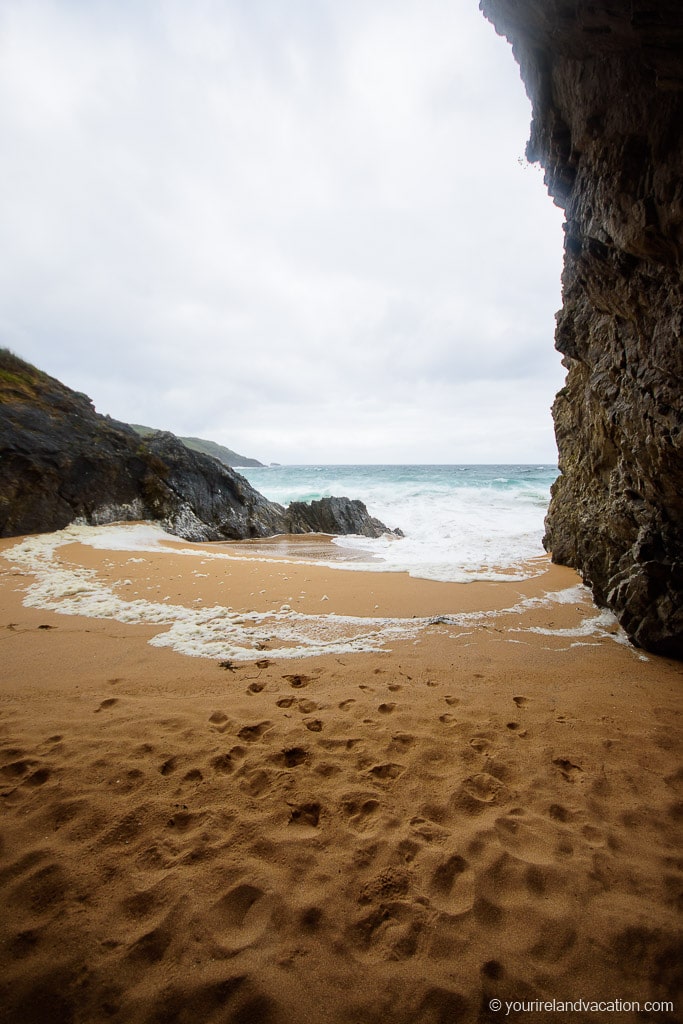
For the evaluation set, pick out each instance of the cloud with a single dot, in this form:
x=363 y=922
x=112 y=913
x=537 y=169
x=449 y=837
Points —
x=238 y=220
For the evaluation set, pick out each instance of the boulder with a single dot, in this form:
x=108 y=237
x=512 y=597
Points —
x=334 y=516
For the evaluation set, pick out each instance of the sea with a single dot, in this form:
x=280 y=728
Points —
x=460 y=522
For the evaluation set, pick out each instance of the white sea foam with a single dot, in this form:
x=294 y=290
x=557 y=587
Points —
x=215 y=632
x=219 y=632
x=461 y=523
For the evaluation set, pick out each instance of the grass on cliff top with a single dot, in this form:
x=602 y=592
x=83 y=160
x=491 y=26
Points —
x=21 y=381
x=18 y=379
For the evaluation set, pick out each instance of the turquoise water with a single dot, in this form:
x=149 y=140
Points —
x=460 y=522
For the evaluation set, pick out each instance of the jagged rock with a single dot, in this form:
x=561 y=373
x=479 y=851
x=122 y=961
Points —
x=61 y=461
x=334 y=515
x=606 y=84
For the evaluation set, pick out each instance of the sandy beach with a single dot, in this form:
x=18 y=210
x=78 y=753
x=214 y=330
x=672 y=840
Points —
x=294 y=827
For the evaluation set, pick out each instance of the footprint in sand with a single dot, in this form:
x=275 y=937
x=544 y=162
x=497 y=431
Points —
x=219 y=721
x=39 y=777
x=452 y=885
x=305 y=814
x=40 y=891
x=392 y=929
x=298 y=681
x=124 y=831
x=386 y=708
x=388 y=771
x=291 y=757
x=568 y=769
x=313 y=725
x=400 y=742
x=183 y=820
x=521 y=702
x=360 y=810
x=446 y=873
x=108 y=703
x=530 y=840
x=222 y=764
x=407 y=850
x=559 y=813
x=141 y=904
x=346 y=704
x=479 y=791
x=487 y=913
x=252 y=733
x=255 y=781
x=16 y=769
x=241 y=916
x=311 y=918
x=492 y=969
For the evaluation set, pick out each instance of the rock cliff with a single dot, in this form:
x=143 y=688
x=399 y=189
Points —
x=60 y=461
x=605 y=80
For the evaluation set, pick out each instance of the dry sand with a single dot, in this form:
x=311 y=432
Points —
x=474 y=812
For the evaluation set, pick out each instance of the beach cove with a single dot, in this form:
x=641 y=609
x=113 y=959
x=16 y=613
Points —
x=381 y=799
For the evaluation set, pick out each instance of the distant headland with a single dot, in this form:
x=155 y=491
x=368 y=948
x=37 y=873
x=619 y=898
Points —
x=63 y=462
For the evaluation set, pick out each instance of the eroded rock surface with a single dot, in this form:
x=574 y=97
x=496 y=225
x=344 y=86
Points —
x=606 y=84
x=334 y=515
x=60 y=461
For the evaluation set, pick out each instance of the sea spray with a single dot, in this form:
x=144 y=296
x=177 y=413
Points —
x=461 y=523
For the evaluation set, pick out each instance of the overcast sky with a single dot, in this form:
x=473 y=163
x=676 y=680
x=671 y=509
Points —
x=301 y=228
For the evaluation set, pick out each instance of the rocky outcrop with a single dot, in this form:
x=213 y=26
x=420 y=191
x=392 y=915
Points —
x=606 y=84
x=334 y=515
x=61 y=461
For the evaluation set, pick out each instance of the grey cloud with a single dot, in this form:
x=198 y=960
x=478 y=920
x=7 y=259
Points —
x=243 y=219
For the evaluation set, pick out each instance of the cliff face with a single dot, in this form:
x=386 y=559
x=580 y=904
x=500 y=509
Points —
x=605 y=80
x=60 y=461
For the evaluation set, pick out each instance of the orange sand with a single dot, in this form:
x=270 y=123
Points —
x=378 y=838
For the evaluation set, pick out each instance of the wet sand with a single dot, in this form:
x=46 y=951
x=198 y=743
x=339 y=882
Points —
x=486 y=807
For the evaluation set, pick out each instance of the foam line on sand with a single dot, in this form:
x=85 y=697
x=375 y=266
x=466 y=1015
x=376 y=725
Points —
x=219 y=632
